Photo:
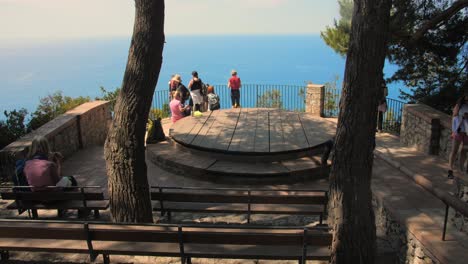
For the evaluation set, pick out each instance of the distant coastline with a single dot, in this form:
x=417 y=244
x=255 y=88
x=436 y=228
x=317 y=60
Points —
x=78 y=67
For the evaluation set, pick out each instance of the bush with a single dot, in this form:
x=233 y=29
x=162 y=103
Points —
x=13 y=127
x=109 y=96
x=164 y=112
x=52 y=106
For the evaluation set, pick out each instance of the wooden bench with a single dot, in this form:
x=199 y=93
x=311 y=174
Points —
x=85 y=199
x=186 y=242
x=239 y=201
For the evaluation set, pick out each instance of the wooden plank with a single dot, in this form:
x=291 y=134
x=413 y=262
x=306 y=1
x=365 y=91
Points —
x=51 y=196
x=317 y=130
x=211 y=137
x=247 y=132
x=181 y=128
x=92 y=205
x=199 y=124
x=277 y=140
x=229 y=126
x=203 y=133
x=295 y=137
x=262 y=132
x=242 y=130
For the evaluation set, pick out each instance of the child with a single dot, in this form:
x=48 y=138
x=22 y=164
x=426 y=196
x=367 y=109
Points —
x=213 y=99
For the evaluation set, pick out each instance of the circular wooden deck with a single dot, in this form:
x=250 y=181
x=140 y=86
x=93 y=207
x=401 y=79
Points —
x=253 y=131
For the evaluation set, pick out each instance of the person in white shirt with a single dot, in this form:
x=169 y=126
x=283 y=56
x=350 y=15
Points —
x=459 y=134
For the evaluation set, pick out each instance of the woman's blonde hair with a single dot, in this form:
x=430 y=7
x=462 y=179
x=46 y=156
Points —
x=40 y=145
x=176 y=94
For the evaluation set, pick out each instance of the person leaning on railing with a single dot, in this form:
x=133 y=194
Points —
x=459 y=134
x=234 y=84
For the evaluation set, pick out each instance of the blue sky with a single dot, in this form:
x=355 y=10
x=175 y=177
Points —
x=69 y=19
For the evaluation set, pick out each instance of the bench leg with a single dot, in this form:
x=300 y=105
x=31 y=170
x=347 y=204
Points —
x=34 y=214
x=321 y=218
x=60 y=213
x=169 y=216
x=96 y=214
x=5 y=255
x=106 y=259
x=189 y=260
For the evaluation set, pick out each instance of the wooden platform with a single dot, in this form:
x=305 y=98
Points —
x=253 y=131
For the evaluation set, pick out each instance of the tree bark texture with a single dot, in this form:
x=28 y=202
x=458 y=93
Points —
x=124 y=148
x=351 y=214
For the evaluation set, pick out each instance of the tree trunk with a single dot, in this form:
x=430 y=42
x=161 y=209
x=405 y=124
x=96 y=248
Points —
x=350 y=207
x=124 y=149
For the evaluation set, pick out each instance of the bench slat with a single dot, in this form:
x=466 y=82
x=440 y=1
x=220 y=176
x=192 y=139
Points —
x=240 y=198
x=44 y=245
x=92 y=205
x=241 y=208
x=51 y=196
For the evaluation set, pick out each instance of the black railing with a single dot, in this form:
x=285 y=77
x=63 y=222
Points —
x=288 y=97
x=391 y=119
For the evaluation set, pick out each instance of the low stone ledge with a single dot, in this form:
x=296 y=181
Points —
x=80 y=127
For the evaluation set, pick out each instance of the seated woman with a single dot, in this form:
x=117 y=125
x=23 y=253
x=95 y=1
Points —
x=43 y=167
x=213 y=99
x=177 y=108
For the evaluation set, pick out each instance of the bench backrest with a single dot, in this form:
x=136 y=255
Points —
x=239 y=196
x=91 y=233
x=80 y=193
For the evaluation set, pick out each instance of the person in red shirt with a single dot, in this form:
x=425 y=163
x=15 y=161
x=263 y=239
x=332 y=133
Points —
x=234 y=85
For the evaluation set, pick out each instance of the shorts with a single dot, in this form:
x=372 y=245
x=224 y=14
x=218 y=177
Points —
x=461 y=137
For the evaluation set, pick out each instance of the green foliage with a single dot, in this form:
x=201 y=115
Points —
x=110 y=96
x=270 y=99
x=337 y=37
x=164 y=112
x=52 y=106
x=433 y=66
x=332 y=97
x=13 y=127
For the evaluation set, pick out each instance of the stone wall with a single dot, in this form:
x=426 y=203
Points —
x=315 y=96
x=398 y=238
x=426 y=129
x=458 y=220
x=83 y=126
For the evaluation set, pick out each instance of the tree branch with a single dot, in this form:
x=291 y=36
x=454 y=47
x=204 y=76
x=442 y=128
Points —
x=443 y=16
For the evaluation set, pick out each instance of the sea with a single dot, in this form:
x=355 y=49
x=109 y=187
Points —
x=31 y=70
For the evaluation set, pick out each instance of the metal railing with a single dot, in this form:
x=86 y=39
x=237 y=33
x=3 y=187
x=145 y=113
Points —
x=287 y=97
x=391 y=119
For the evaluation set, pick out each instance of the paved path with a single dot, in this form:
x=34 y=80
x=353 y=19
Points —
x=407 y=202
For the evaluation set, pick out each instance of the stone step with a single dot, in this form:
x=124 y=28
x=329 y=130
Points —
x=222 y=168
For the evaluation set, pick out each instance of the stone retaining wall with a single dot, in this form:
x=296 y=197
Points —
x=398 y=238
x=429 y=131
x=83 y=126
x=426 y=129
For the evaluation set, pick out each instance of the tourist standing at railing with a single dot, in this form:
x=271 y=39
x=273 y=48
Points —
x=382 y=108
x=178 y=109
x=459 y=134
x=178 y=86
x=235 y=84
x=195 y=87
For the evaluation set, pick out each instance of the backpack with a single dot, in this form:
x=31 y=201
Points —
x=213 y=102
x=20 y=179
x=155 y=132
x=204 y=88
